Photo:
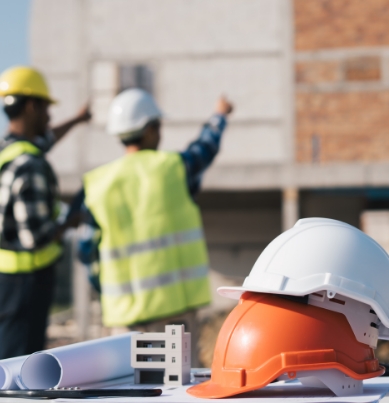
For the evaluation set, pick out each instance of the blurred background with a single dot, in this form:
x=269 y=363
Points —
x=309 y=136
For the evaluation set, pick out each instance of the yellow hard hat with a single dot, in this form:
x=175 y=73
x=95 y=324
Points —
x=24 y=81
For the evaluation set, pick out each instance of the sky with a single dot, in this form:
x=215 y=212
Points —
x=14 y=41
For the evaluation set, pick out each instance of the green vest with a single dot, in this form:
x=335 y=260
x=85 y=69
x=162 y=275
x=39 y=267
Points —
x=153 y=258
x=13 y=262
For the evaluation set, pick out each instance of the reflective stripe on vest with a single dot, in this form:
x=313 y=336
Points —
x=153 y=258
x=16 y=149
x=152 y=245
x=13 y=262
x=24 y=262
x=145 y=284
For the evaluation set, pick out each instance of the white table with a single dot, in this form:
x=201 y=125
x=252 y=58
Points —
x=291 y=392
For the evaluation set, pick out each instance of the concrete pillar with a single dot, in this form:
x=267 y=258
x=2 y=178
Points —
x=290 y=207
x=81 y=293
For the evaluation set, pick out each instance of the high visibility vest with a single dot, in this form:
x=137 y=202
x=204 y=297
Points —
x=153 y=258
x=12 y=262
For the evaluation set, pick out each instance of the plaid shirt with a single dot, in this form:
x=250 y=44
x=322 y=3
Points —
x=28 y=194
x=197 y=158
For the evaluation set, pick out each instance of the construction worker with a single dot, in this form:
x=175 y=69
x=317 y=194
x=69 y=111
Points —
x=29 y=233
x=152 y=256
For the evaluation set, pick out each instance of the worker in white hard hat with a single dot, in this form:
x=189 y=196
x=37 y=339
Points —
x=147 y=231
x=29 y=230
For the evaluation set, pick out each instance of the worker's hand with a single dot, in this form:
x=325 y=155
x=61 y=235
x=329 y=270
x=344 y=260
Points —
x=224 y=106
x=72 y=222
x=85 y=114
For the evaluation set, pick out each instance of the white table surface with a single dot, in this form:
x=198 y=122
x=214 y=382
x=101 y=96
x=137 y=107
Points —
x=292 y=392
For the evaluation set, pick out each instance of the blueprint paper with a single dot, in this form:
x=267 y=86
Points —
x=9 y=372
x=279 y=392
x=88 y=362
x=110 y=384
x=385 y=399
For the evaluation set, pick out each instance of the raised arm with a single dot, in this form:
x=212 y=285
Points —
x=201 y=152
x=83 y=115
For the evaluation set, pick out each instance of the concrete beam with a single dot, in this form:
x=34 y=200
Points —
x=258 y=177
x=277 y=176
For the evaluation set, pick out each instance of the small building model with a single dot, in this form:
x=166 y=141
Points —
x=162 y=357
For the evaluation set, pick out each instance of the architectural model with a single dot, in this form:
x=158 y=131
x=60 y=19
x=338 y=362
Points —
x=162 y=357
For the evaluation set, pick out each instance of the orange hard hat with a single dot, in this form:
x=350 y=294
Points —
x=266 y=336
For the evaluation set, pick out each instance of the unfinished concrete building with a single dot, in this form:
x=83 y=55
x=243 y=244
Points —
x=310 y=80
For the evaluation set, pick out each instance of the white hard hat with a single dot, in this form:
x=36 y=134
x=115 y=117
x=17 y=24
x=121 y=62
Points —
x=130 y=111
x=320 y=254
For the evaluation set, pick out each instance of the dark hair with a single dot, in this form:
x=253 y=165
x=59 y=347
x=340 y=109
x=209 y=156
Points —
x=131 y=141
x=15 y=104
x=136 y=137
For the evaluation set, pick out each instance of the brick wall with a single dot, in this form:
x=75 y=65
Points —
x=323 y=24
x=352 y=126
x=342 y=80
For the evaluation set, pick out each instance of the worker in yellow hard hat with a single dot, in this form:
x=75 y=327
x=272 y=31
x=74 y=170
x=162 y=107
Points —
x=29 y=233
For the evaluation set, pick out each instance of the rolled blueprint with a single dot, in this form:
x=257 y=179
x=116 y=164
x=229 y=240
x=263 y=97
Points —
x=9 y=372
x=78 y=364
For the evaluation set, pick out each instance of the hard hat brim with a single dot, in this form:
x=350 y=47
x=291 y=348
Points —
x=212 y=390
x=233 y=292
x=301 y=288
x=50 y=100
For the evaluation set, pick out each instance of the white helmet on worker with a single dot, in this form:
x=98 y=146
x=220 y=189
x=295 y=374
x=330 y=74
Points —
x=320 y=254
x=130 y=111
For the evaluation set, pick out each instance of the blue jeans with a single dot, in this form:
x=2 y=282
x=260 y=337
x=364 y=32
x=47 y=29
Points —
x=25 y=301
